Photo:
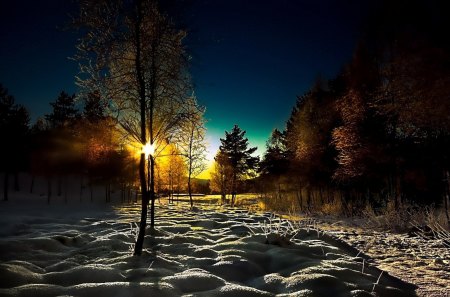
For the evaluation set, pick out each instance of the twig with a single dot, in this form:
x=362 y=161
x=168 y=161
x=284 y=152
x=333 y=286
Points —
x=378 y=281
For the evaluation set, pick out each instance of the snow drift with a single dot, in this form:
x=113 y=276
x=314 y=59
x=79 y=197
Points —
x=66 y=250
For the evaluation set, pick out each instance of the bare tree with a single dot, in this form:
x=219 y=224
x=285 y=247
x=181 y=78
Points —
x=221 y=175
x=134 y=56
x=190 y=141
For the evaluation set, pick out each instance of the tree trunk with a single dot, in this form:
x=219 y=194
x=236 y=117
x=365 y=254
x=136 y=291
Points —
x=152 y=192
x=142 y=104
x=300 y=199
x=91 y=189
x=223 y=190
x=32 y=184
x=65 y=190
x=191 y=140
x=279 y=191
x=144 y=204
x=81 y=188
x=171 y=188
x=233 y=191
x=190 y=191
x=398 y=190
x=16 y=182
x=49 y=189
x=5 y=186
x=447 y=195
x=59 y=186
x=308 y=201
x=321 y=196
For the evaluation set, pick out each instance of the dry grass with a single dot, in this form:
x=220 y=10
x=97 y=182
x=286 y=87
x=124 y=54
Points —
x=334 y=207
x=425 y=222
x=422 y=220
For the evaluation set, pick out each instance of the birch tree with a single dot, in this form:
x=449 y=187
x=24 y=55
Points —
x=134 y=56
x=191 y=142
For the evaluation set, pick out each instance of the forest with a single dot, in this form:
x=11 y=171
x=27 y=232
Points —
x=371 y=142
x=375 y=136
x=378 y=133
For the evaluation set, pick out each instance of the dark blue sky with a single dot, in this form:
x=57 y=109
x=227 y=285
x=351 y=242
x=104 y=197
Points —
x=250 y=58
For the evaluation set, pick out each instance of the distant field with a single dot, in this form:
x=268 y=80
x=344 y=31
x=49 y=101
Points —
x=242 y=199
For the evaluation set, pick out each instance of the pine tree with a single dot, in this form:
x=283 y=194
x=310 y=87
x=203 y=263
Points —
x=275 y=161
x=14 y=127
x=94 y=107
x=235 y=148
x=64 y=112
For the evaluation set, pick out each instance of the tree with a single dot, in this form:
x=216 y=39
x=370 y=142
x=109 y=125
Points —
x=234 y=148
x=94 y=107
x=64 y=112
x=133 y=54
x=221 y=175
x=63 y=153
x=308 y=136
x=14 y=128
x=172 y=170
x=190 y=141
x=275 y=162
x=100 y=140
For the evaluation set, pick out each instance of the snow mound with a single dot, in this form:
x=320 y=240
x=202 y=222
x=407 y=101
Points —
x=55 y=251
x=194 y=280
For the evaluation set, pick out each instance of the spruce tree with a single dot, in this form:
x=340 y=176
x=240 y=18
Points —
x=235 y=149
x=64 y=111
x=14 y=127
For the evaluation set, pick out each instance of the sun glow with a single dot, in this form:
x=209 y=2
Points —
x=148 y=149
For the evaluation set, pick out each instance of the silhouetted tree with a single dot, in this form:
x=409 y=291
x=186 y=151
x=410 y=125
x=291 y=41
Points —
x=275 y=162
x=362 y=132
x=234 y=147
x=407 y=41
x=64 y=112
x=133 y=54
x=94 y=109
x=63 y=150
x=14 y=128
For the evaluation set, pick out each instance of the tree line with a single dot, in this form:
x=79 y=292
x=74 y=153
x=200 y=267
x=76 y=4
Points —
x=79 y=139
x=378 y=133
x=139 y=103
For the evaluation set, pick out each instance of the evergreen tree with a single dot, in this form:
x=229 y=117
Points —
x=14 y=127
x=94 y=107
x=235 y=148
x=275 y=161
x=64 y=112
x=61 y=151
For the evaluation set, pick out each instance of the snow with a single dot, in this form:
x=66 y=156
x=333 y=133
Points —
x=86 y=250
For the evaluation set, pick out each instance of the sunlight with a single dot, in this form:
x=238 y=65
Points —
x=148 y=149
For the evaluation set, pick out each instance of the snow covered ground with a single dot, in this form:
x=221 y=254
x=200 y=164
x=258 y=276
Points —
x=423 y=262
x=86 y=250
